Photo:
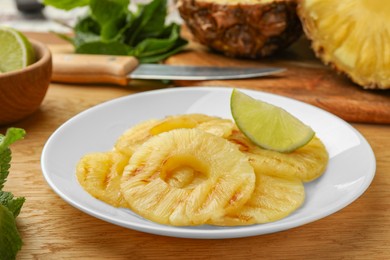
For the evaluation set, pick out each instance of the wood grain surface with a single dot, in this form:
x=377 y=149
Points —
x=53 y=229
x=305 y=79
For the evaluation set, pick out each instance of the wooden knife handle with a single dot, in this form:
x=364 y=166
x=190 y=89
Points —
x=86 y=68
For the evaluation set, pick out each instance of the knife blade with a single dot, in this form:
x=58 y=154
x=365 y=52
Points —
x=87 y=68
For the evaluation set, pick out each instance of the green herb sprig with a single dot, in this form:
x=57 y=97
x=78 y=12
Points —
x=111 y=28
x=10 y=240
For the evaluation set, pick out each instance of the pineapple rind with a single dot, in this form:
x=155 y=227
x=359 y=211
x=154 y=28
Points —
x=242 y=28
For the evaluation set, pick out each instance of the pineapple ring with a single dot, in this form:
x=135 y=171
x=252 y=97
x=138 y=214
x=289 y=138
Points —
x=100 y=175
x=306 y=163
x=273 y=198
x=186 y=177
x=130 y=140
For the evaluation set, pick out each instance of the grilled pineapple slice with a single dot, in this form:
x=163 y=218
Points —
x=306 y=163
x=187 y=177
x=218 y=127
x=100 y=175
x=242 y=28
x=179 y=121
x=273 y=198
x=352 y=36
x=129 y=141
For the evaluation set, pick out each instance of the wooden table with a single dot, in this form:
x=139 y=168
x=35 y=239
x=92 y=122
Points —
x=52 y=229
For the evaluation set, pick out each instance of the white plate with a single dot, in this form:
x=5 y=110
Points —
x=350 y=171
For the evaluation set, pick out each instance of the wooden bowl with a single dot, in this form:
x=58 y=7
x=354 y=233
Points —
x=22 y=91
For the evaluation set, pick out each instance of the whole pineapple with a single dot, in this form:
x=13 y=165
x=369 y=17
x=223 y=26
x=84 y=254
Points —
x=352 y=36
x=242 y=28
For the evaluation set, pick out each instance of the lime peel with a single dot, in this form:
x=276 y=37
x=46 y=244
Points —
x=16 y=51
x=268 y=126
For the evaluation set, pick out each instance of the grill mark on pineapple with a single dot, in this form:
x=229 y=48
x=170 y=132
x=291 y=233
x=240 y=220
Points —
x=161 y=196
x=108 y=174
x=137 y=170
x=236 y=196
x=241 y=145
x=210 y=195
x=306 y=163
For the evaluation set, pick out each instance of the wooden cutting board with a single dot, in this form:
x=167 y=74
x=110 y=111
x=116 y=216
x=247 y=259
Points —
x=305 y=79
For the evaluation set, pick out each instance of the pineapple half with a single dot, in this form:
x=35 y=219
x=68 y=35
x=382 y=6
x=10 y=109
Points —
x=353 y=36
x=242 y=28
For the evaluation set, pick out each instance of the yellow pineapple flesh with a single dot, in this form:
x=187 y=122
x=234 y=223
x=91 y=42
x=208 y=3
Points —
x=306 y=163
x=100 y=175
x=179 y=121
x=131 y=139
x=352 y=36
x=196 y=169
x=187 y=177
x=273 y=199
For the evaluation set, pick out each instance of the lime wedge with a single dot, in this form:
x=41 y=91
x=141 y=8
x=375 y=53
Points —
x=16 y=51
x=268 y=126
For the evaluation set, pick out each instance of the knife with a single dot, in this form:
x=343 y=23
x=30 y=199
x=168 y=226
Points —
x=87 y=68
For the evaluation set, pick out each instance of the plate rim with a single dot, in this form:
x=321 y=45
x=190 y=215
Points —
x=222 y=232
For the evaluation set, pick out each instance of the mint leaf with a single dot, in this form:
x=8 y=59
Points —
x=98 y=47
x=105 y=11
x=150 y=21
x=10 y=240
x=157 y=46
x=12 y=135
x=111 y=28
x=158 y=57
x=86 y=30
x=66 y=4
x=13 y=204
x=111 y=31
x=5 y=159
